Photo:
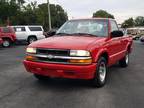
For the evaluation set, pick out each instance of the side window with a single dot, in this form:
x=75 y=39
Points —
x=35 y=28
x=114 y=26
x=23 y=29
x=19 y=29
x=6 y=30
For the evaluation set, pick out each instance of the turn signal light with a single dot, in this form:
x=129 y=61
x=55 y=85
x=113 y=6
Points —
x=30 y=58
x=87 y=61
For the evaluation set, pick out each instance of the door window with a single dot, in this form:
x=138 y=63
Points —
x=6 y=30
x=35 y=28
x=19 y=29
x=114 y=26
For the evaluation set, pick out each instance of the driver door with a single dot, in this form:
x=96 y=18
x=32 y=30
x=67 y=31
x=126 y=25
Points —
x=115 y=44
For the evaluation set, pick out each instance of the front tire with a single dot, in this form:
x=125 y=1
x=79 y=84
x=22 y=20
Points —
x=125 y=61
x=6 y=43
x=31 y=40
x=100 y=74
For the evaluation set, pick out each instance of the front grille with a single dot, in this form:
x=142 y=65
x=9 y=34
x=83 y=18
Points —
x=52 y=60
x=53 y=52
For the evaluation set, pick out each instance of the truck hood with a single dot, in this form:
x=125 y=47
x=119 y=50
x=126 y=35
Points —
x=67 y=42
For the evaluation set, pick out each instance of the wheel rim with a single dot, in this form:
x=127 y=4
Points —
x=32 y=40
x=102 y=71
x=6 y=43
x=127 y=59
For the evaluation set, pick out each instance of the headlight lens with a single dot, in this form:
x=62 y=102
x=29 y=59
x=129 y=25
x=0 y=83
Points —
x=79 y=53
x=31 y=50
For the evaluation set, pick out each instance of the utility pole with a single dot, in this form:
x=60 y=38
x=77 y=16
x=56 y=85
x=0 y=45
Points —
x=49 y=15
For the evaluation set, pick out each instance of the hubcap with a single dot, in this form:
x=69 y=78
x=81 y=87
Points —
x=127 y=59
x=102 y=71
x=6 y=43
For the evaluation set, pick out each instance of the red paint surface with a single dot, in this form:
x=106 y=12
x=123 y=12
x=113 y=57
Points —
x=11 y=35
x=61 y=70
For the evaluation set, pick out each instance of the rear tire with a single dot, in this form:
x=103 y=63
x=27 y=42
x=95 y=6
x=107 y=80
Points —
x=100 y=74
x=41 y=77
x=6 y=43
x=31 y=40
x=125 y=61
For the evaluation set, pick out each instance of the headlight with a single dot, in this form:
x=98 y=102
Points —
x=79 y=53
x=31 y=50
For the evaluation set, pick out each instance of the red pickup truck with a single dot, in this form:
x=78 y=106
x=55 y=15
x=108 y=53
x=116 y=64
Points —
x=80 y=49
x=8 y=36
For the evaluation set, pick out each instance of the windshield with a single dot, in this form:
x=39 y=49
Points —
x=93 y=27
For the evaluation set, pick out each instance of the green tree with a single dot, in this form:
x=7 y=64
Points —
x=28 y=14
x=128 y=23
x=18 y=14
x=103 y=14
x=139 y=21
x=7 y=10
x=58 y=15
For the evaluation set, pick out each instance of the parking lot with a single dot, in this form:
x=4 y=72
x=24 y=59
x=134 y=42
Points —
x=19 y=89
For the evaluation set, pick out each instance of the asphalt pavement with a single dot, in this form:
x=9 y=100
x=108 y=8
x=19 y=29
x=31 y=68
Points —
x=19 y=89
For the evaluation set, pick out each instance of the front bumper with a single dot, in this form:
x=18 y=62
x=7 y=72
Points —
x=61 y=70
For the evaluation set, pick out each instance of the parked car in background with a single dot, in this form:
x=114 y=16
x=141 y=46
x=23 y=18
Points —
x=142 y=39
x=136 y=32
x=29 y=33
x=80 y=49
x=8 y=36
x=1 y=41
x=137 y=37
x=132 y=31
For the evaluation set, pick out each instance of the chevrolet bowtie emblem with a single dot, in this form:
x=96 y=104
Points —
x=50 y=56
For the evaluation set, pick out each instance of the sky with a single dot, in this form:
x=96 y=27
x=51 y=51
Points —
x=121 y=9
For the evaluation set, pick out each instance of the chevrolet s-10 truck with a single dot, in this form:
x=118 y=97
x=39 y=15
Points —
x=80 y=49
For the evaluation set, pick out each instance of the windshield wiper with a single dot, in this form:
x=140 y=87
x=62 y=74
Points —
x=81 y=34
x=63 y=34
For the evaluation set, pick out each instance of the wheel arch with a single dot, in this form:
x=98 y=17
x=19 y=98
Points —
x=129 y=48
x=31 y=36
x=9 y=38
x=104 y=54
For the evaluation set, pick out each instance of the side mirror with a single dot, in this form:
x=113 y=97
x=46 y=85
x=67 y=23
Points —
x=117 y=33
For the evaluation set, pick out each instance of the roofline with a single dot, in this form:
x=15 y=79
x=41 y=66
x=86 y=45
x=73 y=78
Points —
x=91 y=19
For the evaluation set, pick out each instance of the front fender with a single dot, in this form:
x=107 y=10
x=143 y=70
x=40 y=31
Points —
x=4 y=37
x=97 y=54
x=129 y=47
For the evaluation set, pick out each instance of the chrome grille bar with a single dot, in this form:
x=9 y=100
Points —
x=60 y=57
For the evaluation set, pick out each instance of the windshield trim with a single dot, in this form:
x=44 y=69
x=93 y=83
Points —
x=102 y=20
